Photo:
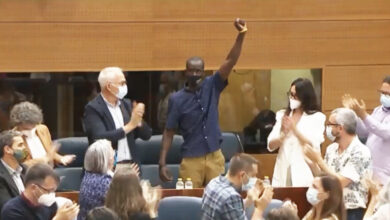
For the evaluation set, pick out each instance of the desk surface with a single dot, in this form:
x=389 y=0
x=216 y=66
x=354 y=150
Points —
x=295 y=194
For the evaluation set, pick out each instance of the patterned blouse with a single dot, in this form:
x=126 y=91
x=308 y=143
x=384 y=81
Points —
x=353 y=163
x=92 y=192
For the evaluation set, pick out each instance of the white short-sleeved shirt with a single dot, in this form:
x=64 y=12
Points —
x=353 y=163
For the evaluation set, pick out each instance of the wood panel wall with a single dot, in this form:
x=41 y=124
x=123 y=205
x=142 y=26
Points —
x=86 y=35
x=361 y=82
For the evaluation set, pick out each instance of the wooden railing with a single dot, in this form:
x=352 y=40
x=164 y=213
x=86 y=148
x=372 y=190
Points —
x=295 y=194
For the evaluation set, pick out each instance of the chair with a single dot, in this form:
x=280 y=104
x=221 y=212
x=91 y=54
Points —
x=149 y=154
x=70 y=178
x=180 y=208
x=74 y=145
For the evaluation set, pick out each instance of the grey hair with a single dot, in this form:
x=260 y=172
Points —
x=25 y=113
x=346 y=118
x=98 y=156
x=107 y=74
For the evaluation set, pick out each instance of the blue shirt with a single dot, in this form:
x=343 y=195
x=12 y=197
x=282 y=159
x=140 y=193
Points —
x=222 y=201
x=93 y=191
x=195 y=113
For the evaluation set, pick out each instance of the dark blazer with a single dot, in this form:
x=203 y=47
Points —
x=8 y=188
x=99 y=124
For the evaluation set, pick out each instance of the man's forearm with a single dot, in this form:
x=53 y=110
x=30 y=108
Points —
x=235 y=52
x=166 y=145
x=232 y=57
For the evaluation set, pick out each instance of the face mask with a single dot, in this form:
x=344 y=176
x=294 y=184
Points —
x=28 y=133
x=329 y=134
x=312 y=196
x=47 y=199
x=251 y=183
x=194 y=80
x=385 y=100
x=20 y=155
x=294 y=104
x=122 y=92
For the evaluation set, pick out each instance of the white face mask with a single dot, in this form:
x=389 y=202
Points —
x=312 y=196
x=47 y=199
x=329 y=134
x=294 y=104
x=122 y=92
x=385 y=100
x=29 y=133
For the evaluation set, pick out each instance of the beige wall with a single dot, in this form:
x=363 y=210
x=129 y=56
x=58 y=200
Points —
x=280 y=85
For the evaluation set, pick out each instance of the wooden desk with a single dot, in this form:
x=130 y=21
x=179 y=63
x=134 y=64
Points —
x=295 y=194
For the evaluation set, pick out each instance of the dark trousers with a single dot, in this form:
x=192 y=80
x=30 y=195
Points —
x=355 y=214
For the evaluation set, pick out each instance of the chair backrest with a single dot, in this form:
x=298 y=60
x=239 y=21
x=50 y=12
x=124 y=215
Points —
x=180 y=208
x=149 y=155
x=74 y=145
x=231 y=144
x=149 y=151
x=71 y=178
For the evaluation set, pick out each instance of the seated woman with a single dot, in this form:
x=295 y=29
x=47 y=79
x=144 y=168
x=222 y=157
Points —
x=127 y=198
x=27 y=118
x=98 y=164
x=299 y=124
x=326 y=197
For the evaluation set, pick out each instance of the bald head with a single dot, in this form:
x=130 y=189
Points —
x=195 y=62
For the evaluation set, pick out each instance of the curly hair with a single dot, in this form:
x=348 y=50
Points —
x=26 y=113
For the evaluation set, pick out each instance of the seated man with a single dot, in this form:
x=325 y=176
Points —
x=222 y=199
x=12 y=153
x=347 y=159
x=38 y=199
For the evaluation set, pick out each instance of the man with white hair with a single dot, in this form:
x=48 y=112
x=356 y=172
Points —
x=346 y=158
x=110 y=116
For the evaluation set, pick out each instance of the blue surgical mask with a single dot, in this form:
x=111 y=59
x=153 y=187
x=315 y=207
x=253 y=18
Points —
x=251 y=183
x=312 y=196
x=385 y=100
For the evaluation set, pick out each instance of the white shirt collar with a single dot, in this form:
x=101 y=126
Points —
x=18 y=170
x=109 y=104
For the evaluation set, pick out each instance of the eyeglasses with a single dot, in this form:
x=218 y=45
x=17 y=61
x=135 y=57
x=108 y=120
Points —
x=384 y=92
x=292 y=95
x=46 y=190
x=332 y=124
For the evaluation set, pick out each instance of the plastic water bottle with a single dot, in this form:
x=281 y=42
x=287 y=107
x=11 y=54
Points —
x=266 y=181
x=188 y=184
x=179 y=183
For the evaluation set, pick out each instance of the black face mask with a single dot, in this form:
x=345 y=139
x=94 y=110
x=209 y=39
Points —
x=194 y=80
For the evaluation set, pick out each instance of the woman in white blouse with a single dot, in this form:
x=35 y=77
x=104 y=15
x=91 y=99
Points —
x=300 y=123
x=27 y=118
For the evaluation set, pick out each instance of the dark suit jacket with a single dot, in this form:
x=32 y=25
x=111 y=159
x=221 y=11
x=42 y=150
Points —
x=99 y=124
x=8 y=188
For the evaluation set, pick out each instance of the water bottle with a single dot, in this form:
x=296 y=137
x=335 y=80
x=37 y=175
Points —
x=266 y=181
x=179 y=183
x=188 y=184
